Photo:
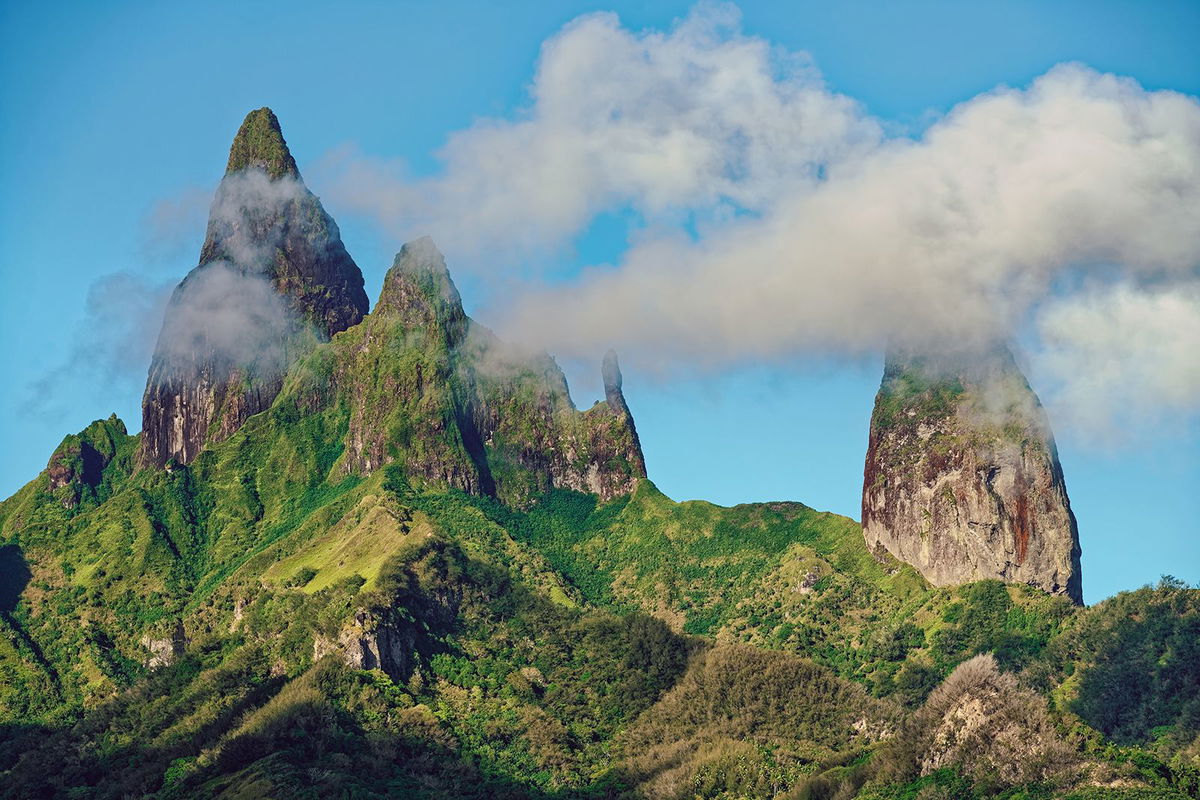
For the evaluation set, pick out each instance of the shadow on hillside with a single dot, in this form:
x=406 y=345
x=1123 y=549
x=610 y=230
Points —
x=14 y=577
x=323 y=758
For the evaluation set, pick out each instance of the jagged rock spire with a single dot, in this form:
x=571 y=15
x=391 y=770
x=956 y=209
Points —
x=610 y=371
x=455 y=406
x=273 y=278
x=962 y=478
x=614 y=397
x=418 y=289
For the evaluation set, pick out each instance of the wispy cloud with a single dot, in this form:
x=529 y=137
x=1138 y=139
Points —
x=225 y=312
x=111 y=347
x=1121 y=359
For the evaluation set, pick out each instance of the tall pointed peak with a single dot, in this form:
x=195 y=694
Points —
x=259 y=143
x=610 y=371
x=962 y=478
x=272 y=265
x=422 y=257
x=419 y=277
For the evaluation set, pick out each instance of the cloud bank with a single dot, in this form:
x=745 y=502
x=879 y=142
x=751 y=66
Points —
x=1131 y=356
x=779 y=220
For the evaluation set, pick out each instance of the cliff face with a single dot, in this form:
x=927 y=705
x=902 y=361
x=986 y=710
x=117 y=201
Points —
x=962 y=478
x=430 y=389
x=274 y=278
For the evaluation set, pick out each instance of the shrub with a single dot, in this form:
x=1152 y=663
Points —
x=980 y=722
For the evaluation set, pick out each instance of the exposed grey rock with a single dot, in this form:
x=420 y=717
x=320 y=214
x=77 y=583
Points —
x=374 y=640
x=610 y=371
x=962 y=478
x=164 y=650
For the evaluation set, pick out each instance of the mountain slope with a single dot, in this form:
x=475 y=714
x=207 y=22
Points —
x=396 y=560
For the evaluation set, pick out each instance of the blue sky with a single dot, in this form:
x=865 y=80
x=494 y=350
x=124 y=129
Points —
x=114 y=112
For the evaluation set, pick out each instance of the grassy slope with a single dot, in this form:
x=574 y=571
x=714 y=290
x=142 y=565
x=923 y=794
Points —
x=531 y=690
x=531 y=671
x=784 y=576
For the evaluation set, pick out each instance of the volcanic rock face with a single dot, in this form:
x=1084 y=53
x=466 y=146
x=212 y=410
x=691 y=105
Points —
x=378 y=639
x=274 y=279
x=962 y=478
x=432 y=390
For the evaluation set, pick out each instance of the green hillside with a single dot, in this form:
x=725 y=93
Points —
x=572 y=649
x=422 y=572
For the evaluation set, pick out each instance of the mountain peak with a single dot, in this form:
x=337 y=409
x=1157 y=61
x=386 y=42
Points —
x=272 y=271
x=259 y=143
x=610 y=371
x=422 y=259
x=419 y=287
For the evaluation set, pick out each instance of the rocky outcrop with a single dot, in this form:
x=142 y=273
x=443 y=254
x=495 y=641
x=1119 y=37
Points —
x=536 y=440
x=74 y=468
x=274 y=278
x=434 y=391
x=75 y=472
x=378 y=639
x=980 y=722
x=163 y=651
x=962 y=478
x=411 y=607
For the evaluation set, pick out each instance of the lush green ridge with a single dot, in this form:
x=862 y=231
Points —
x=264 y=622
x=522 y=683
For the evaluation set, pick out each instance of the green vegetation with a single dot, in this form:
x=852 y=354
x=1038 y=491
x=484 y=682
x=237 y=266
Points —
x=918 y=389
x=318 y=606
x=360 y=636
x=259 y=142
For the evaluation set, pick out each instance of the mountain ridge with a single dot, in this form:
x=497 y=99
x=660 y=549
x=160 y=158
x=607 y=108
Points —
x=419 y=570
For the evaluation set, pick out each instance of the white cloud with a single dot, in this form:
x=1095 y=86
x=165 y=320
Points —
x=701 y=119
x=248 y=213
x=1121 y=358
x=950 y=238
x=779 y=221
x=224 y=315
